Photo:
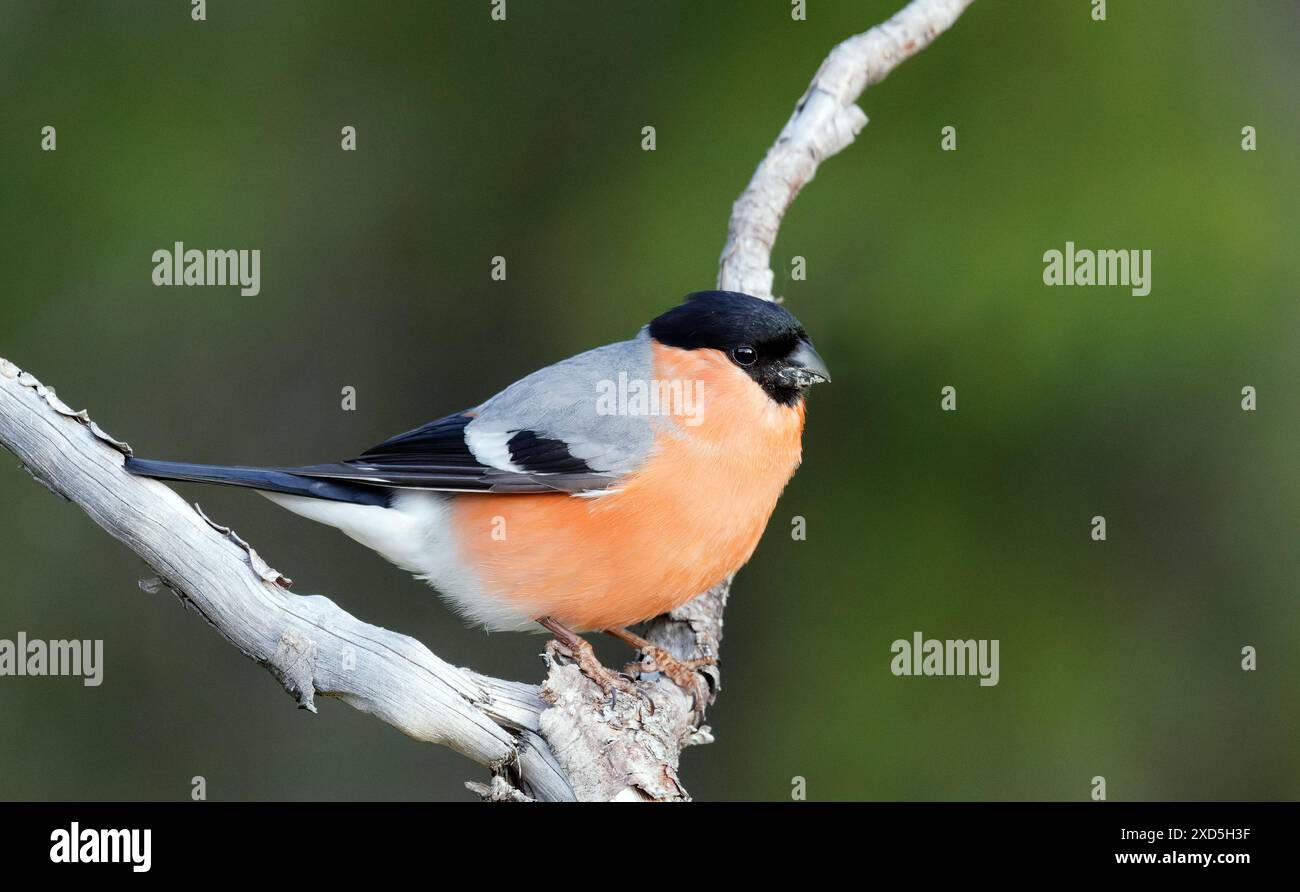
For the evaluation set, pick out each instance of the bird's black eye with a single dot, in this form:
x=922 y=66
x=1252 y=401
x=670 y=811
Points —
x=744 y=355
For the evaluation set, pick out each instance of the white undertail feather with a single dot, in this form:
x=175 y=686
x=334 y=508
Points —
x=416 y=535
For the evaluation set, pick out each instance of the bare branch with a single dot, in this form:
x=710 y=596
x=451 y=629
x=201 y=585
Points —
x=564 y=740
x=307 y=642
x=824 y=122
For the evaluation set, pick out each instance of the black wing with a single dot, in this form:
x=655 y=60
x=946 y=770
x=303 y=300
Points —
x=436 y=456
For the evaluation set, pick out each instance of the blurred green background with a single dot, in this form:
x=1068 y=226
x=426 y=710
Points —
x=522 y=139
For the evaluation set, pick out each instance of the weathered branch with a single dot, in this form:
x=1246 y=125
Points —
x=563 y=740
x=824 y=122
x=308 y=642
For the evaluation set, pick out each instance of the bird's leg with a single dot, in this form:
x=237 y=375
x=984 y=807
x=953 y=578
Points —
x=583 y=654
x=680 y=672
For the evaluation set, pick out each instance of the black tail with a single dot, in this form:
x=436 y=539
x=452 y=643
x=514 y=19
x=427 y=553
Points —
x=265 y=479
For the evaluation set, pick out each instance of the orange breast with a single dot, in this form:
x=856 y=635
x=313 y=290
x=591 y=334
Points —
x=689 y=517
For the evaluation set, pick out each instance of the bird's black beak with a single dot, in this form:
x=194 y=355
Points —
x=804 y=367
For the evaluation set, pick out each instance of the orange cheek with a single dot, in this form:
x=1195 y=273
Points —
x=691 y=515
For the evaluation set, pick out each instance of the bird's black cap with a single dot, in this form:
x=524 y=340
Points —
x=761 y=337
x=726 y=319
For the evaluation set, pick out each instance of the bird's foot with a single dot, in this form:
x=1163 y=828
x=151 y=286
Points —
x=583 y=655
x=683 y=673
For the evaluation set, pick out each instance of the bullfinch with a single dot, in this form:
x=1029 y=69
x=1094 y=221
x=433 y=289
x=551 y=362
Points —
x=593 y=494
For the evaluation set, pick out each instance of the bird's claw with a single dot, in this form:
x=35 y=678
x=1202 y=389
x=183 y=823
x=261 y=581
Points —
x=609 y=682
x=683 y=673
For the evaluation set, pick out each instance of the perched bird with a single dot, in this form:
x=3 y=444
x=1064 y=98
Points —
x=593 y=494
